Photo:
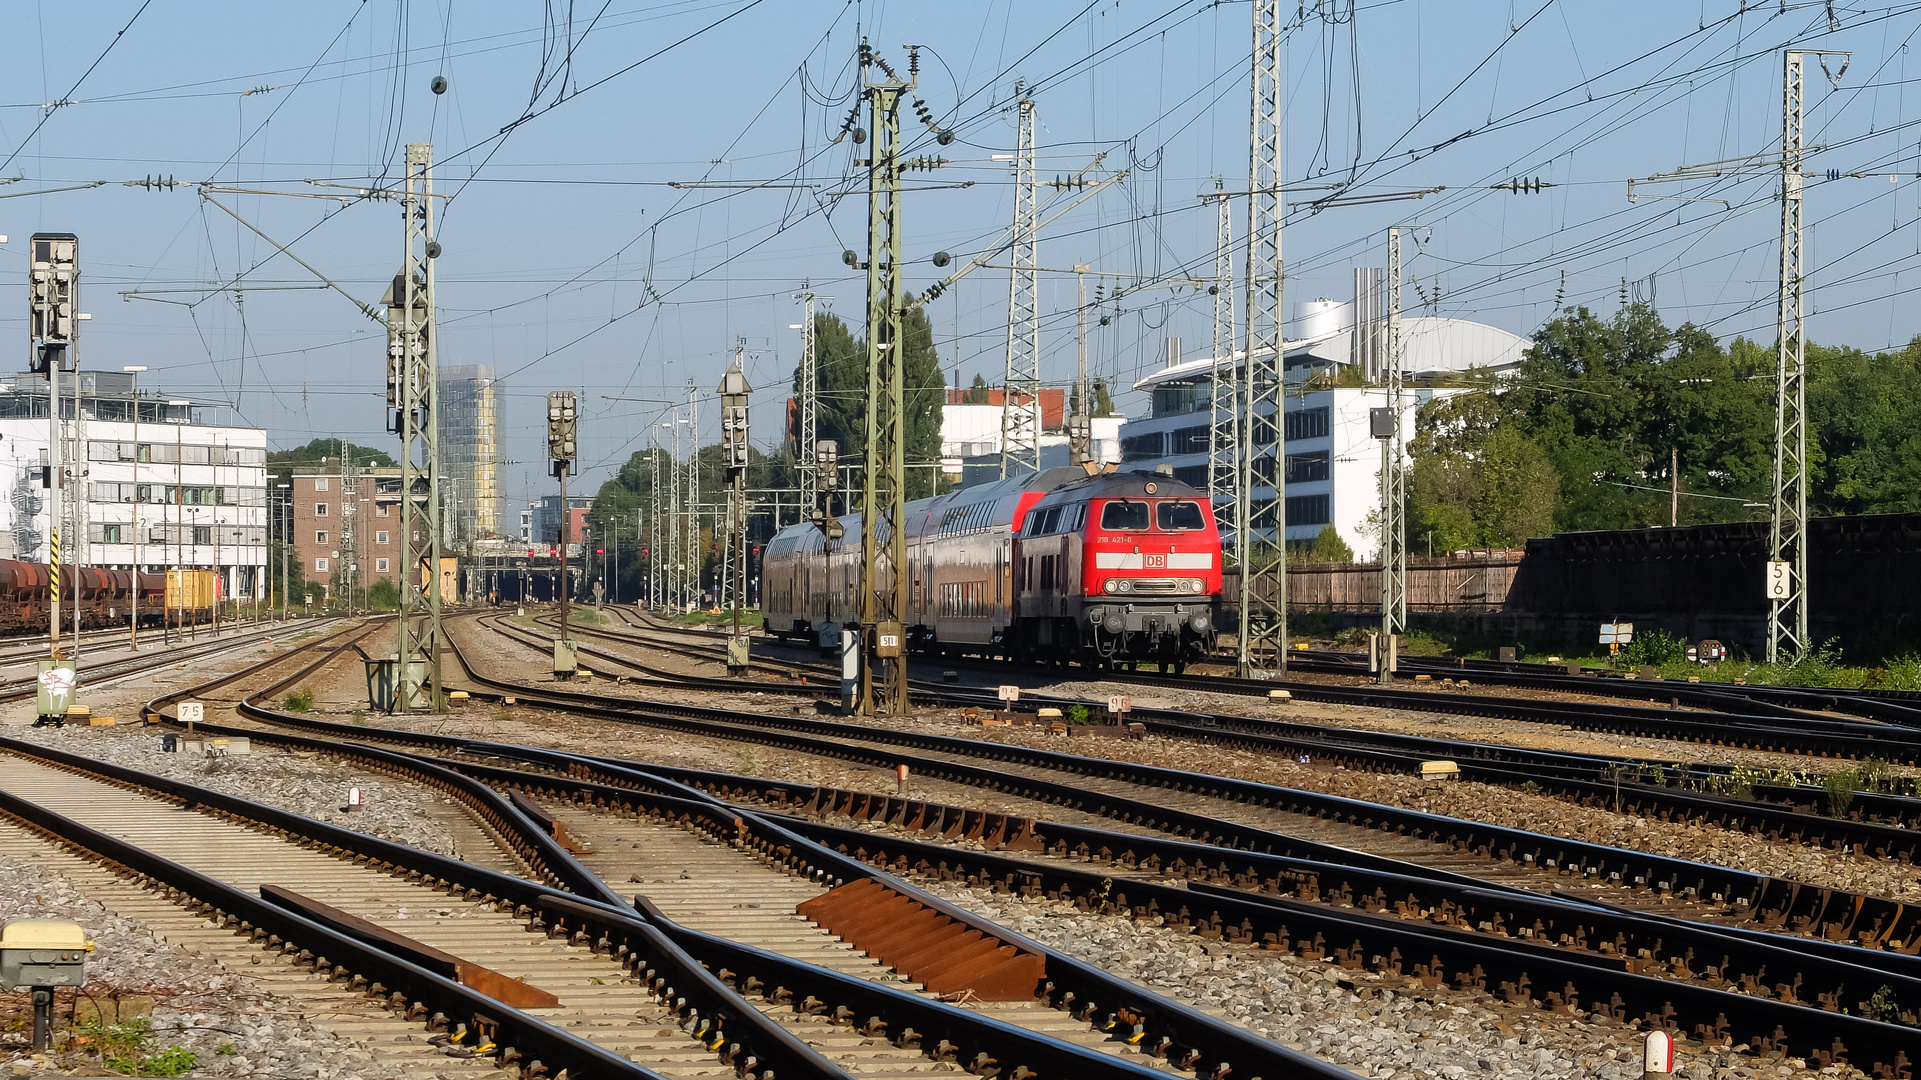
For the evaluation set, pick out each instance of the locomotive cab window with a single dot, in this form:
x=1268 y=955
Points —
x=1123 y=516
x=1179 y=516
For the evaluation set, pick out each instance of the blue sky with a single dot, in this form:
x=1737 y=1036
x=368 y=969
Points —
x=572 y=262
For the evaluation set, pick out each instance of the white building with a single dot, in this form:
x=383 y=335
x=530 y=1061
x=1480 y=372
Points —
x=970 y=442
x=1333 y=463
x=169 y=490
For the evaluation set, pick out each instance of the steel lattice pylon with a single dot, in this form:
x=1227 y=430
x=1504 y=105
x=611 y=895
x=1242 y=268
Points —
x=1260 y=508
x=690 y=592
x=1788 y=526
x=1224 y=424
x=808 y=438
x=419 y=629
x=1393 y=465
x=883 y=537
x=1021 y=408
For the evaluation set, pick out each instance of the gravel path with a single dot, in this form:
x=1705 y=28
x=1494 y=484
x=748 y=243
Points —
x=231 y=1026
x=1359 y=1020
x=303 y=783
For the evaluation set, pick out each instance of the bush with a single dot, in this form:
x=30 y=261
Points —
x=1818 y=669
x=300 y=700
x=1655 y=647
x=383 y=595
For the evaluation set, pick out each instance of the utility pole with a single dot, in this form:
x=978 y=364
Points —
x=1222 y=431
x=883 y=541
x=690 y=500
x=53 y=326
x=733 y=441
x=1674 y=486
x=1393 y=475
x=1260 y=446
x=412 y=383
x=1021 y=405
x=1787 y=572
x=1080 y=427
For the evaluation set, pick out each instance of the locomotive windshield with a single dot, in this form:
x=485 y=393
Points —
x=1123 y=516
x=1180 y=516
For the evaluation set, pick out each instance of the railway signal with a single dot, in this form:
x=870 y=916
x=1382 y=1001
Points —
x=53 y=325
x=827 y=474
x=733 y=440
x=563 y=409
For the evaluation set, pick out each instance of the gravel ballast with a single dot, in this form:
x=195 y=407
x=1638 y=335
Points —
x=303 y=783
x=231 y=1026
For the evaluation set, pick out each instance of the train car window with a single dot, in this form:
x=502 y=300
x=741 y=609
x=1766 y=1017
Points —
x=1080 y=518
x=1123 y=516
x=1179 y=516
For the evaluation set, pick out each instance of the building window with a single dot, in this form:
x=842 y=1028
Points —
x=1307 y=510
x=320 y=566
x=320 y=536
x=380 y=537
x=1306 y=423
x=320 y=509
x=320 y=483
x=1190 y=440
x=380 y=566
x=380 y=510
x=1178 y=398
x=1141 y=447
x=110 y=534
x=203 y=534
x=1304 y=468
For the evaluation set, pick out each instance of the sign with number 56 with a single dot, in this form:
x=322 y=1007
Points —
x=1780 y=582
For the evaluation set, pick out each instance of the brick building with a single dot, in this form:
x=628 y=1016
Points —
x=345 y=524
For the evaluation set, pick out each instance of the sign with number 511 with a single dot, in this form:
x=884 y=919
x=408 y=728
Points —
x=1780 y=583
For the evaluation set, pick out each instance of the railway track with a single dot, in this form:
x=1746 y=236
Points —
x=899 y=1030
x=1877 y=825
x=1063 y=881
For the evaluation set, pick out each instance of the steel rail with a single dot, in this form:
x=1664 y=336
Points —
x=1565 y=773
x=741 y=1034
x=1772 y=901
x=996 y=1042
x=539 y=1049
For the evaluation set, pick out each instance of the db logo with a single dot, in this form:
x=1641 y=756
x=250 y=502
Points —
x=1155 y=562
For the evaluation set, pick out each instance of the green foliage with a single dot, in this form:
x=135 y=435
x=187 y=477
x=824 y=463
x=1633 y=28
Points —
x=300 y=700
x=1903 y=673
x=841 y=365
x=1603 y=404
x=121 y=1047
x=1654 y=646
x=331 y=448
x=173 y=1061
x=383 y=595
x=977 y=393
x=1840 y=788
x=1881 y=1005
x=1077 y=714
x=1327 y=546
x=1818 y=668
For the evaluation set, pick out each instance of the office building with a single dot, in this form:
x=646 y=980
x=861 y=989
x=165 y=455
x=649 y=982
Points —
x=1332 y=461
x=157 y=484
x=469 y=417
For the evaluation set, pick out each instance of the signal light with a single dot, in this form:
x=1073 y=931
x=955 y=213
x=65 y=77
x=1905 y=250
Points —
x=600 y=551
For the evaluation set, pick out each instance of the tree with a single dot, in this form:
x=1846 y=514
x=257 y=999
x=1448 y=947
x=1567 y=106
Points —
x=333 y=448
x=976 y=394
x=841 y=413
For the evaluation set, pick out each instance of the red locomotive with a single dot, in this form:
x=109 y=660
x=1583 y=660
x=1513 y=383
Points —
x=1110 y=568
x=106 y=597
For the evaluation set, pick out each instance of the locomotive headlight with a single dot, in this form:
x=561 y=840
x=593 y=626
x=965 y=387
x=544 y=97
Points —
x=1113 y=585
x=1192 y=585
x=1125 y=586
